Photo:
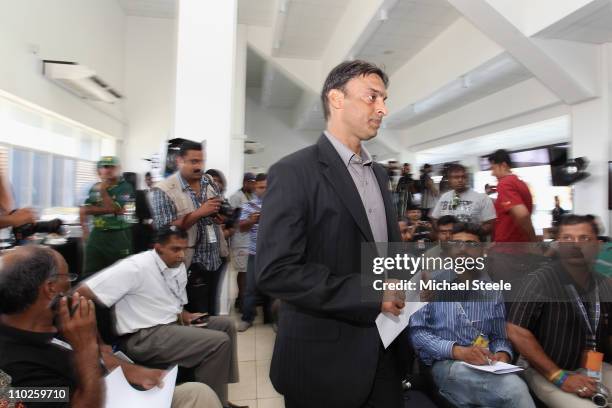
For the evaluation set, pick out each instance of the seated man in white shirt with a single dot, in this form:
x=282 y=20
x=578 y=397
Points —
x=148 y=292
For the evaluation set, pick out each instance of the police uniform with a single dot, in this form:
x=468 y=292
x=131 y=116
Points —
x=111 y=236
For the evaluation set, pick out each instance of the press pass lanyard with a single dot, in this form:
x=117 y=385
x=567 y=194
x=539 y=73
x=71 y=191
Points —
x=481 y=339
x=591 y=324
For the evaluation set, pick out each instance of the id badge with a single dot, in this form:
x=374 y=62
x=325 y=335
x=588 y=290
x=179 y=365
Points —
x=592 y=362
x=210 y=233
x=481 y=341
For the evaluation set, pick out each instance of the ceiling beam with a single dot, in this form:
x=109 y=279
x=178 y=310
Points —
x=567 y=69
x=528 y=96
x=445 y=59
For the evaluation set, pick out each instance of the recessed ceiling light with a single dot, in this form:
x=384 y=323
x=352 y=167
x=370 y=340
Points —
x=388 y=52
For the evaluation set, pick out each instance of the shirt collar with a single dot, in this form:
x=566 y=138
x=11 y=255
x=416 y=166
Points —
x=347 y=155
x=24 y=336
x=185 y=184
x=171 y=272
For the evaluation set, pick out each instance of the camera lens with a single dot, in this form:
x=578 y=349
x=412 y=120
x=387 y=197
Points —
x=600 y=400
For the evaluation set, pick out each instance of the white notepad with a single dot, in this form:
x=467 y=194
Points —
x=498 y=367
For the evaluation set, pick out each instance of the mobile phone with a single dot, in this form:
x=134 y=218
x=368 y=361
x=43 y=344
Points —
x=200 y=320
x=54 y=306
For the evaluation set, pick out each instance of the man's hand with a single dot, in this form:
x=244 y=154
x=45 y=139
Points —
x=23 y=216
x=145 y=377
x=80 y=328
x=210 y=207
x=393 y=300
x=580 y=385
x=254 y=218
x=501 y=356
x=472 y=354
x=189 y=317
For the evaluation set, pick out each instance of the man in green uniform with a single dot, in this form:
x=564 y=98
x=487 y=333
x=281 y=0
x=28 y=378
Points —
x=111 y=203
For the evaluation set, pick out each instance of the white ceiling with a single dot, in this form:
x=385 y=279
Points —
x=308 y=27
x=256 y=12
x=595 y=27
x=149 y=8
x=411 y=25
x=250 y=12
x=493 y=76
x=543 y=133
x=278 y=91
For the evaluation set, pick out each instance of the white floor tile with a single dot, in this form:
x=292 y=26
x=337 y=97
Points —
x=265 y=389
x=271 y=403
x=246 y=389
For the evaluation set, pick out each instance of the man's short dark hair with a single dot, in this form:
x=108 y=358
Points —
x=501 y=156
x=574 y=219
x=344 y=72
x=469 y=228
x=148 y=174
x=412 y=207
x=261 y=177
x=447 y=219
x=455 y=168
x=189 y=145
x=22 y=277
x=165 y=233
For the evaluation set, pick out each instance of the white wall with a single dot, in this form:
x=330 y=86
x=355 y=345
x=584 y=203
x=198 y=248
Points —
x=90 y=32
x=149 y=76
x=268 y=127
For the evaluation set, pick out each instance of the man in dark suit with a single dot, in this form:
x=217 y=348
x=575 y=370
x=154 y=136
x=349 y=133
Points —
x=322 y=203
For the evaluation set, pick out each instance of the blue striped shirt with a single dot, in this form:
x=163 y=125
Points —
x=164 y=213
x=251 y=207
x=439 y=325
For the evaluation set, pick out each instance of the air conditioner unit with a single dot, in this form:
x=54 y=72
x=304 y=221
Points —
x=80 y=80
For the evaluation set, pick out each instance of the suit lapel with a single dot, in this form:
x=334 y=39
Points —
x=339 y=177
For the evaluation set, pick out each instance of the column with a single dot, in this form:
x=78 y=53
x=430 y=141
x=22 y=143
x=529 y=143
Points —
x=205 y=76
x=236 y=169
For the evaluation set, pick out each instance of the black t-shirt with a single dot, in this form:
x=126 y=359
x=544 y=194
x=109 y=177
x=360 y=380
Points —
x=544 y=307
x=36 y=360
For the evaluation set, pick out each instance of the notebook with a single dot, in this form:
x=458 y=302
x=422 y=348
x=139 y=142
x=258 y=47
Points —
x=497 y=367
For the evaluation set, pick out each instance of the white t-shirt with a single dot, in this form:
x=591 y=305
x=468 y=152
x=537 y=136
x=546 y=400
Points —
x=471 y=207
x=144 y=291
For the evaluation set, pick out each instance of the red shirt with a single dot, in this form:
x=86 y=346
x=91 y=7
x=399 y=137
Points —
x=511 y=191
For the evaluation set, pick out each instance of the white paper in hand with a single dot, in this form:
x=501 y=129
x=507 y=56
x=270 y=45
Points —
x=499 y=367
x=390 y=326
x=119 y=392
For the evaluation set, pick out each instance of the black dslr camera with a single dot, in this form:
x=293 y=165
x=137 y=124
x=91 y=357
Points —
x=49 y=227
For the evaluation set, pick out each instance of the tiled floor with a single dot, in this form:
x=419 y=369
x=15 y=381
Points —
x=254 y=353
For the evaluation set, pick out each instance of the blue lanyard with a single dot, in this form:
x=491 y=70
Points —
x=591 y=325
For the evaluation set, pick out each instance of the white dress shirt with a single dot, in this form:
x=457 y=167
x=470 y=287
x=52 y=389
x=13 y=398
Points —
x=144 y=291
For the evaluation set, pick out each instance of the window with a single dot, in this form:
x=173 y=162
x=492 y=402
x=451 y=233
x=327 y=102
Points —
x=49 y=160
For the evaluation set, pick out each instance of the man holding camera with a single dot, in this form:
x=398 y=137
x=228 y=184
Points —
x=559 y=321
x=191 y=200
x=111 y=236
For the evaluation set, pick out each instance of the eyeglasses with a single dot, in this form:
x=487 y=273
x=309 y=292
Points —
x=71 y=277
x=467 y=244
